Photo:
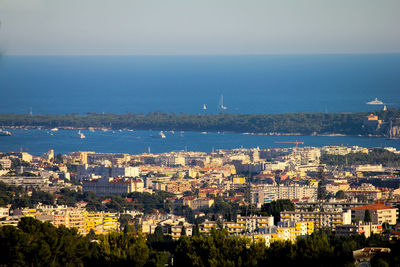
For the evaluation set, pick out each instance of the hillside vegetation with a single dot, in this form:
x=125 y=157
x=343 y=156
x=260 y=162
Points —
x=301 y=123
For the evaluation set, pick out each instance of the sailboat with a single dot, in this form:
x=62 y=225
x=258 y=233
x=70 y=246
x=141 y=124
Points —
x=221 y=103
x=161 y=135
x=81 y=135
x=204 y=107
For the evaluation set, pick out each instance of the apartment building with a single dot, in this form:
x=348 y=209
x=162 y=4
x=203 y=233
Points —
x=358 y=228
x=195 y=203
x=305 y=155
x=86 y=172
x=170 y=160
x=321 y=219
x=268 y=193
x=284 y=231
x=379 y=213
x=173 y=186
x=26 y=181
x=5 y=163
x=367 y=190
x=253 y=223
x=79 y=218
x=113 y=186
x=176 y=230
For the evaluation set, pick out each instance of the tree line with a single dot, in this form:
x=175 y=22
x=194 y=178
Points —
x=375 y=156
x=36 y=243
x=303 y=123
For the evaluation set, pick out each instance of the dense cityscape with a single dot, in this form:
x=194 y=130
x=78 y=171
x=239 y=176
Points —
x=258 y=197
x=199 y=133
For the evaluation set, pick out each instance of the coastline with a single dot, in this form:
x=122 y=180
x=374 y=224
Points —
x=28 y=127
x=290 y=124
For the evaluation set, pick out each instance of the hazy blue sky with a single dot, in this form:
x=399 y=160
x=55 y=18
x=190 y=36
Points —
x=199 y=26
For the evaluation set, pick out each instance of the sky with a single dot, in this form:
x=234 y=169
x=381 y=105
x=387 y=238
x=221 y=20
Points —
x=198 y=27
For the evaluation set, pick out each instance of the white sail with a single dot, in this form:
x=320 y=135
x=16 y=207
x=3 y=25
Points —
x=221 y=103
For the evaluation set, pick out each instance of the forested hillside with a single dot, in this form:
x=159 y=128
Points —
x=302 y=123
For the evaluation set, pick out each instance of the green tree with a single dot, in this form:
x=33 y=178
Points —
x=123 y=249
x=183 y=231
x=275 y=207
x=367 y=216
x=91 y=235
x=340 y=194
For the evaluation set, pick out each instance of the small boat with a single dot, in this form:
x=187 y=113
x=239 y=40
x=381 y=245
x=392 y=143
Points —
x=159 y=135
x=5 y=133
x=54 y=129
x=375 y=102
x=81 y=135
x=162 y=135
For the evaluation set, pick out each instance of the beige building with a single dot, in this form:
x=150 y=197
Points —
x=197 y=203
x=268 y=193
x=358 y=228
x=320 y=218
x=110 y=186
x=5 y=163
x=367 y=190
x=379 y=213
x=79 y=218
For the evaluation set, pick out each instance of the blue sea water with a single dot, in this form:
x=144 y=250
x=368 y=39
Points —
x=249 y=84
x=141 y=84
x=37 y=142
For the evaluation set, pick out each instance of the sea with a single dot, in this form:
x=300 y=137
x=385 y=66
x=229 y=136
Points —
x=257 y=84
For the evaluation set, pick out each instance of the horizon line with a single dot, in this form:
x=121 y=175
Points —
x=212 y=54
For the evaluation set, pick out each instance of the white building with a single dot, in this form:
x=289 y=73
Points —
x=268 y=193
x=112 y=186
x=86 y=171
x=321 y=219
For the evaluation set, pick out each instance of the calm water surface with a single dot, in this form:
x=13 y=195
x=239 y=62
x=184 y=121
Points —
x=64 y=141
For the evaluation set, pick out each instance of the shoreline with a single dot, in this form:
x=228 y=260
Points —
x=28 y=127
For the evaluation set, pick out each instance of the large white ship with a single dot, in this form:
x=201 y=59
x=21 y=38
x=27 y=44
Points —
x=375 y=102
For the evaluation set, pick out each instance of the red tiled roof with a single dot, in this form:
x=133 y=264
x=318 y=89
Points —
x=373 y=207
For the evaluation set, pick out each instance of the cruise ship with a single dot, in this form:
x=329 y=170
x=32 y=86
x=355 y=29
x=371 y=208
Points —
x=375 y=102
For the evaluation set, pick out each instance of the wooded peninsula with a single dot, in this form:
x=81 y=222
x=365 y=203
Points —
x=288 y=123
